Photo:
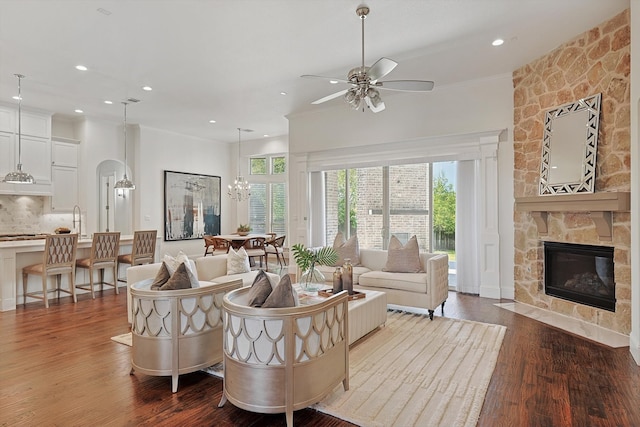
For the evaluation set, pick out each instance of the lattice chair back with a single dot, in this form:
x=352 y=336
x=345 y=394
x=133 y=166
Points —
x=60 y=253
x=144 y=247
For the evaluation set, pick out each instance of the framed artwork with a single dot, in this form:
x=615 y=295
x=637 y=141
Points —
x=191 y=205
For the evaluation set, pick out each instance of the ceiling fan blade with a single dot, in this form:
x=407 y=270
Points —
x=330 y=79
x=381 y=68
x=330 y=97
x=406 y=85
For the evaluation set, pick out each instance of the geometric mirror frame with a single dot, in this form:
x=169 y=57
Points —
x=569 y=147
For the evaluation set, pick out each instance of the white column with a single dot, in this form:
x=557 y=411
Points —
x=634 y=336
x=488 y=219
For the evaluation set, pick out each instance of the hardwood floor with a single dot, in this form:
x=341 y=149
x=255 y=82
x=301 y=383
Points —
x=59 y=367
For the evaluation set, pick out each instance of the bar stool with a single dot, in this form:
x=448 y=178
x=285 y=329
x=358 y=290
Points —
x=59 y=258
x=104 y=254
x=143 y=250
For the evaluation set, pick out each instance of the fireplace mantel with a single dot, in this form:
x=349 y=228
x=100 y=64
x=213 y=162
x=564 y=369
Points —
x=599 y=206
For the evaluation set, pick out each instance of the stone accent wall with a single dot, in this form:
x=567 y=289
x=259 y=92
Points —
x=597 y=61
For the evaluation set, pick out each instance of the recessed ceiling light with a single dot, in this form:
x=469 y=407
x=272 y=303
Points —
x=333 y=82
x=265 y=135
x=79 y=111
x=81 y=68
x=108 y=102
x=16 y=97
x=212 y=121
x=497 y=42
x=147 y=88
x=283 y=93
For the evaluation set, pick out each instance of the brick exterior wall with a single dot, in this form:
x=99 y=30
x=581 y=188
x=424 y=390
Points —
x=597 y=61
x=409 y=190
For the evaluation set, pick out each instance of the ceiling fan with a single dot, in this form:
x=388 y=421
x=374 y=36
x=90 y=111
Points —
x=365 y=81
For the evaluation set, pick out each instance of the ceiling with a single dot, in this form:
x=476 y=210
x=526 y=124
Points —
x=229 y=60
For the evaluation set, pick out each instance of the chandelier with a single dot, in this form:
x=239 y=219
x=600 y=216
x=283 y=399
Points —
x=125 y=183
x=240 y=190
x=19 y=176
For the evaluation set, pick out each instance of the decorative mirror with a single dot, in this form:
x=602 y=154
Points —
x=569 y=147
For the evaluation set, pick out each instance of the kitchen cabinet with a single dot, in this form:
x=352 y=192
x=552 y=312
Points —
x=64 y=173
x=35 y=143
x=7 y=153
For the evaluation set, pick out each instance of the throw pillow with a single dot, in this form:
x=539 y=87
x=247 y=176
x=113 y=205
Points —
x=173 y=263
x=161 y=278
x=260 y=289
x=178 y=280
x=346 y=249
x=403 y=259
x=282 y=295
x=237 y=262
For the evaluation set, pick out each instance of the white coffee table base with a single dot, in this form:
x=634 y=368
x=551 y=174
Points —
x=366 y=314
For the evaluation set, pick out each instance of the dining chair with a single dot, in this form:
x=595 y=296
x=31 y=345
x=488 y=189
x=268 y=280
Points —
x=104 y=254
x=59 y=258
x=143 y=250
x=275 y=247
x=215 y=245
x=255 y=248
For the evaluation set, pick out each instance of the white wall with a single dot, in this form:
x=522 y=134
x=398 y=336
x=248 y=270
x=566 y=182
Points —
x=472 y=107
x=159 y=150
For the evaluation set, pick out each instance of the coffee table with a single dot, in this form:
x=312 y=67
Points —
x=365 y=314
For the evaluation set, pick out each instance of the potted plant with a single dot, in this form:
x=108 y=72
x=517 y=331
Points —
x=243 y=229
x=306 y=259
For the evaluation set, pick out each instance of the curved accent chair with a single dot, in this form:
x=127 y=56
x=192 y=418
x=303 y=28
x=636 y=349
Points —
x=176 y=331
x=283 y=359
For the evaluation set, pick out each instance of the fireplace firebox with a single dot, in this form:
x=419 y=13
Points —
x=580 y=273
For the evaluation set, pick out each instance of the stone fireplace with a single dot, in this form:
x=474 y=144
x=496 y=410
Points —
x=580 y=273
x=597 y=61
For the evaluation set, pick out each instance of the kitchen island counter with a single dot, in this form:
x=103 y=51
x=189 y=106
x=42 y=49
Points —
x=16 y=254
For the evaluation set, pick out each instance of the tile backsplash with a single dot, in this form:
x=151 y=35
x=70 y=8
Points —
x=26 y=214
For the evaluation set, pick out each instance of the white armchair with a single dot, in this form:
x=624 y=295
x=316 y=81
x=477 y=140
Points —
x=283 y=359
x=178 y=331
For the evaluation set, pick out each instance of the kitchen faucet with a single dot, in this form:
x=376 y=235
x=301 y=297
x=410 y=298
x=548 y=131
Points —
x=79 y=220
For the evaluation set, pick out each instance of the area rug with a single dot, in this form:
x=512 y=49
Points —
x=123 y=339
x=417 y=372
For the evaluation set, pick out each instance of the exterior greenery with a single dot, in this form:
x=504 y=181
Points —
x=444 y=213
x=353 y=192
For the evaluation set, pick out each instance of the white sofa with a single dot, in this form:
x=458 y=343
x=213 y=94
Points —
x=211 y=269
x=427 y=289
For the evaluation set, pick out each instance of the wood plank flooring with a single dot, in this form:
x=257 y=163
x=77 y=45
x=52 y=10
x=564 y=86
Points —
x=59 y=367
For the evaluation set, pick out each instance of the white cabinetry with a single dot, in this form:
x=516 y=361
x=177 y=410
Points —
x=35 y=149
x=64 y=170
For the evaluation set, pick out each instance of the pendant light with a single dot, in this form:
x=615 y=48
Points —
x=125 y=183
x=18 y=176
x=241 y=190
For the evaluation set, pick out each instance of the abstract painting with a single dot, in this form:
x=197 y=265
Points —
x=191 y=205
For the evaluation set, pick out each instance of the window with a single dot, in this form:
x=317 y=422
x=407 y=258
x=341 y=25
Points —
x=401 y=200
x=258 y=166
x=268 y=201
